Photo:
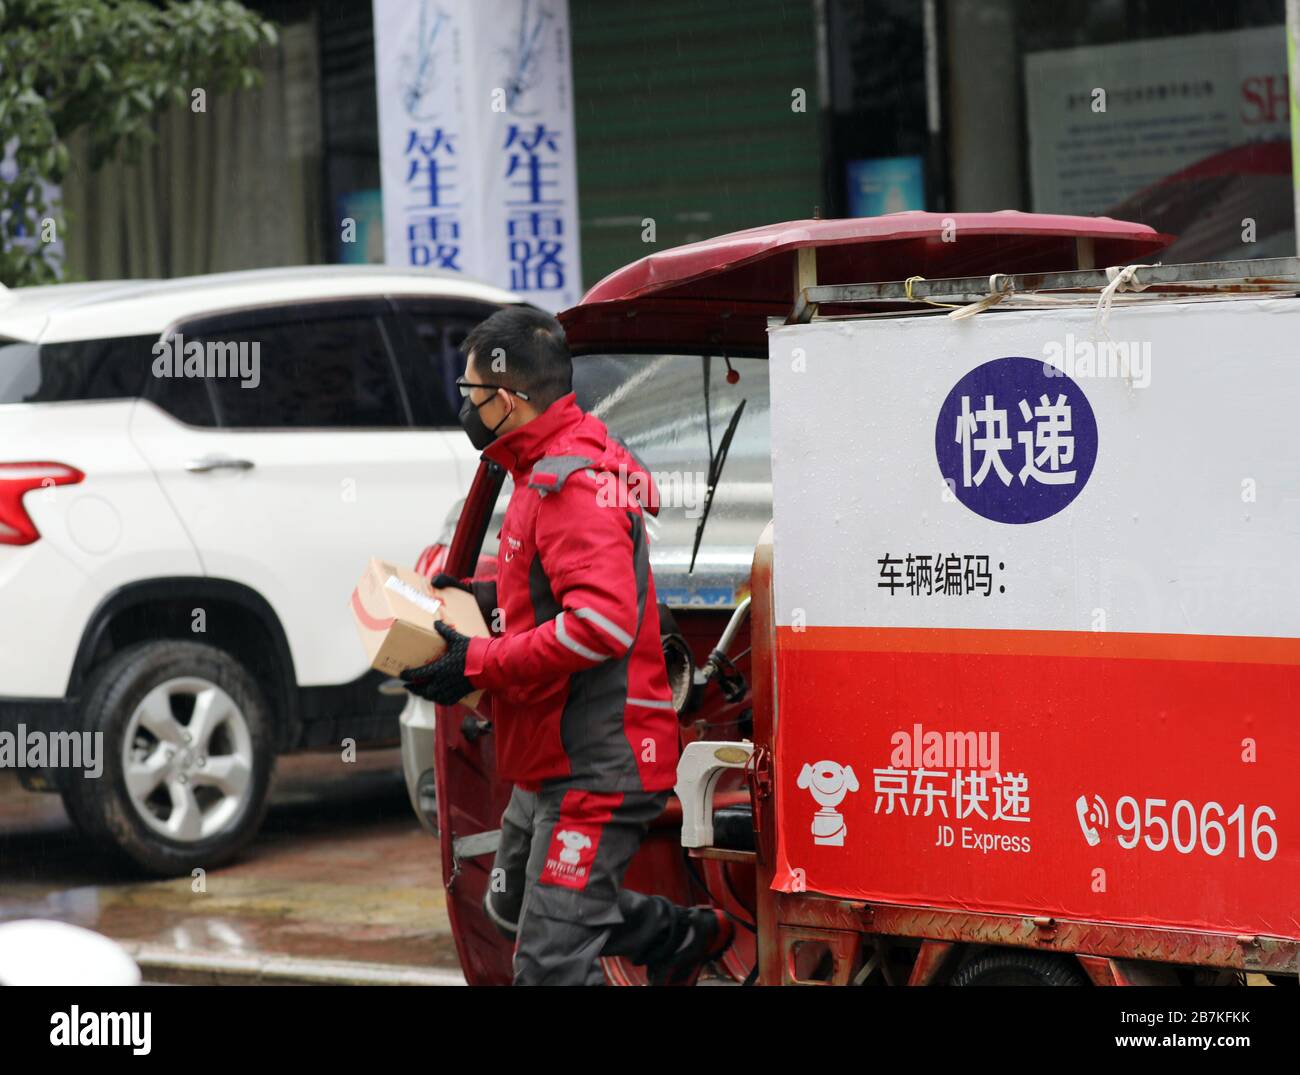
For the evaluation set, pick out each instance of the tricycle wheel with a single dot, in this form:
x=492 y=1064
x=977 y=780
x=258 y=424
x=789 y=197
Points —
x=1018 y=968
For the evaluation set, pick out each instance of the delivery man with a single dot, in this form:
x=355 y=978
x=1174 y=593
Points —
x=582 y=715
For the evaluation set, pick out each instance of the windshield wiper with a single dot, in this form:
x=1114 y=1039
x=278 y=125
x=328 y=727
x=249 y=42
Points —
x=716 y=463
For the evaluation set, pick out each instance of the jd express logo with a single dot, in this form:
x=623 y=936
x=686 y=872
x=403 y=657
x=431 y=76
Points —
x=175 y=358
x=1014 y=444
x=570 y=856
x=956 y=778
x=828 y=782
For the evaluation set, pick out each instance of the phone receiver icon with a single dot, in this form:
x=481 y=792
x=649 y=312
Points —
x=1084 y=809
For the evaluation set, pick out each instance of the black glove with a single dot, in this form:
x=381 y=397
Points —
x=442 y=681
x=443 y=581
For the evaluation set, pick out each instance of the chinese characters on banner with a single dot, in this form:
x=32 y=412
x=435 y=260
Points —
x=477 y=142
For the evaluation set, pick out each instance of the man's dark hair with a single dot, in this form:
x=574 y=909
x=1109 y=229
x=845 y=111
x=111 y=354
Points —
x=524 y=348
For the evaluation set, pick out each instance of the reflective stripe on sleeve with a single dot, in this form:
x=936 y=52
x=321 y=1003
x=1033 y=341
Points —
x=605 y=624
x=570 y=644
x=650 y=703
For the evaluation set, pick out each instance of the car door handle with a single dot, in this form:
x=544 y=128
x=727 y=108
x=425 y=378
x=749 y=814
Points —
x=217 y=462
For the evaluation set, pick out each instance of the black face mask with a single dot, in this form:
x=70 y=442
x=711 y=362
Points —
x=475 y=428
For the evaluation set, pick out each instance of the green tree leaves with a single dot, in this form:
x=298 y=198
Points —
x=108 y=67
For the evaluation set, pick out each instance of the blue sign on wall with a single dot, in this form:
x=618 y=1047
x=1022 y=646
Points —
x=365 y=208
x=885 y=185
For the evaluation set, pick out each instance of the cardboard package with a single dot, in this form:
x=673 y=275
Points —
x=395 y=609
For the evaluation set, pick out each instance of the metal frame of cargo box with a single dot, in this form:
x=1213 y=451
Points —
x=857 y=933
x=1210 y=279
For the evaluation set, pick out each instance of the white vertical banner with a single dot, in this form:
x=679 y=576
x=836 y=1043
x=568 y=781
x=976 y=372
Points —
x=476 y=136
x=426 y=122
x=528 y=165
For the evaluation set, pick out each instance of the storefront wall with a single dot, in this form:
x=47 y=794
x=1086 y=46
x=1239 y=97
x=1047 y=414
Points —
x=699 y=117
x=1175 y=115
x=695 y=118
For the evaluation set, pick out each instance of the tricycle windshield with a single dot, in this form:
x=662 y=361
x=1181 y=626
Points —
x=672 y=410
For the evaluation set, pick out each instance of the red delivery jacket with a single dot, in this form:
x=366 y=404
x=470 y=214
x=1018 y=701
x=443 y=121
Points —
x=578 y=686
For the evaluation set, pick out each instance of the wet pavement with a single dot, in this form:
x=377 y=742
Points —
x=340 y=884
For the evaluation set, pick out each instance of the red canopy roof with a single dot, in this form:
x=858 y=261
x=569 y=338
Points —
x=722 y=290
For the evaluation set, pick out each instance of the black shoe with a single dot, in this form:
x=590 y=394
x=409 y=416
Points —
x=710 y=934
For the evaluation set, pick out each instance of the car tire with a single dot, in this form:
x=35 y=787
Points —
x=174 y=797
x=1018 y=968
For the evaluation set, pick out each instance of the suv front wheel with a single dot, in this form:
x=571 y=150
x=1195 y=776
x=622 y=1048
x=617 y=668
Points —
x=187 y=757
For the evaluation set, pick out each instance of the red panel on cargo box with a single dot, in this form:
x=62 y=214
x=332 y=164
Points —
x=1190 y=830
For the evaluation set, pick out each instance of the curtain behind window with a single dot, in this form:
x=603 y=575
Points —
x=235 y=187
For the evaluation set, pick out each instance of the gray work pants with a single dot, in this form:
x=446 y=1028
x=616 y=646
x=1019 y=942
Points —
x=558 y=878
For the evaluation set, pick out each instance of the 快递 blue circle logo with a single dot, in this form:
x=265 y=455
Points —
x=1016 y=444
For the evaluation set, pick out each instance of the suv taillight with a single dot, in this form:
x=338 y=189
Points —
x=18 y=479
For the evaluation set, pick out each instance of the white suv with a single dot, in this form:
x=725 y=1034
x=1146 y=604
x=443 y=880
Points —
x=193 y=474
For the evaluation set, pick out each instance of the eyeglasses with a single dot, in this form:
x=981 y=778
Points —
x=465 y=386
